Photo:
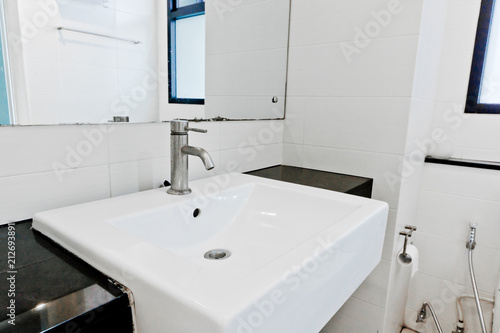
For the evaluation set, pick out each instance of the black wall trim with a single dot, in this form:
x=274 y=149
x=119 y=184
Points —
x=465 y=163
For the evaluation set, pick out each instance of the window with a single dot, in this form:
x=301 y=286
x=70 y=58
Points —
x=186 y=51
x=4 y=101
x=6 y=117
x=5 y=107
x=484 y=85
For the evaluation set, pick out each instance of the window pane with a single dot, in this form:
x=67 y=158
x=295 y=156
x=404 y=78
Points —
x=182 y=3
x=490 y=82
x=190 y=57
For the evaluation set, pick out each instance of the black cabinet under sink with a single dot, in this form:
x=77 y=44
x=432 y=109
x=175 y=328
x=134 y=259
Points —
x=54 y=291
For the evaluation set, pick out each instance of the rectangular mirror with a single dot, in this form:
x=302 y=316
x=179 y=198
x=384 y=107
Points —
x=92 y=61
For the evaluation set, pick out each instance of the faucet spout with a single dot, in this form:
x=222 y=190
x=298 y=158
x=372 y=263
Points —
x=201 y=153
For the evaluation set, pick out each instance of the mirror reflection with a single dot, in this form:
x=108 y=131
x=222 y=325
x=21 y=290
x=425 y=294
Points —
x=246 y=61
x=95 y=61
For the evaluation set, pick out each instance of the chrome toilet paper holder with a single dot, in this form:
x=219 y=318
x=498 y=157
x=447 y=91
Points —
x=409 y=229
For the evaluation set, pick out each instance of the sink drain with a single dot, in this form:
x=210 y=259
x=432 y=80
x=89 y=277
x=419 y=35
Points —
x=217 y=254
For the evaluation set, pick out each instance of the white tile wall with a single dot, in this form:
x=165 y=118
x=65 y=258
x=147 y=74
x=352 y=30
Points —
x=251 y=133
x=412 y=170
x=140 y=175
x=452 y=197
x=77 y=78
x=24 y=195
x=365 y=113
x=249 y=158
x=360 y=123
x=45 y=167
x=323 y=22
x=420 y=118
x=356 y=316
x=37 y=149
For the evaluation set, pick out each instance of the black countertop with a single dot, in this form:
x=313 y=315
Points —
x=355 y=185
x=54 y=291
x=57 y=292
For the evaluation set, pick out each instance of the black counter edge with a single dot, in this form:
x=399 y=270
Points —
x=119 y=306
x=364 y=189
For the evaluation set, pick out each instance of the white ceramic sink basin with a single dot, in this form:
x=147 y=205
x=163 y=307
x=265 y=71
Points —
x=294 y=254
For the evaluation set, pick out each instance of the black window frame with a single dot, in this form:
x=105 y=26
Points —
x=176 y=13
x=478 y=62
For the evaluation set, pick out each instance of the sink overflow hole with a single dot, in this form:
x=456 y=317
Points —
x=217 y=254
x=196 y=212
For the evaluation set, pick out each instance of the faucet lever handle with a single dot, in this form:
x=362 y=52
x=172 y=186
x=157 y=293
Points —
x=411 y=228
x=199 y=130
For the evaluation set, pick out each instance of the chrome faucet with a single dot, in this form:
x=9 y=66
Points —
x=179 y=151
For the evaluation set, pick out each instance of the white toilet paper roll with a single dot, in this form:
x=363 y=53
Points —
x=404 y=269
x=411 y=258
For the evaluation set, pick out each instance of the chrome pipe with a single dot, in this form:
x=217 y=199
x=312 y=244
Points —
x=423 y=314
